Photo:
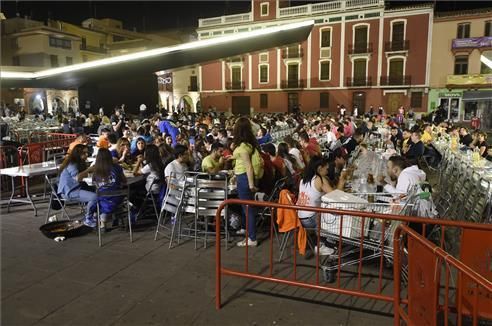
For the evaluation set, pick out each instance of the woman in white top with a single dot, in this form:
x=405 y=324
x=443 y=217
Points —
x=294 y=151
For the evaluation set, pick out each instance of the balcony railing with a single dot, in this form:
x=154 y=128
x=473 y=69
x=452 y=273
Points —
x=193 y=88
x=286 y=54
x=235 y=85
x=397 y=46
x=292 y=83
x=359 y=81
x=239 y=18
x=360 y=48
x=469 y=81
x=97 y=49
x=396 y=80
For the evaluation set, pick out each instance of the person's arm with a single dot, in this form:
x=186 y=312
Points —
x=342 y=180
x=322 y=185
x=249 y=170
x=138 y=165
x=483 y=149
x=81 y=175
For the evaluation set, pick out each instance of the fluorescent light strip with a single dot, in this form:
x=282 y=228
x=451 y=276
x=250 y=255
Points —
x=154 y=52
x=486 y=61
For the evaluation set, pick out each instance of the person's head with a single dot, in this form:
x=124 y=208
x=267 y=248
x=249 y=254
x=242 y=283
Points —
x=427 y=128
x=396 y=164
x=261 y=132
x=77 y=156
x=415 y=136
x=339 y=157
x=165 y=151
x=141 y=144
x=152 y=157
x=122 y=145
x=318 y=166
x=243 y=133
x=394 y=131
x=283 y=150
x=103 y=165
x=168 y=140
x=463 y=131
x=358 y=136
x=105 y=132
x=181 y=153
x=290 y=141
x=222 y=134
x=269 y=149
x=482 y=136
x=217 y=150
x=406 y=134
x=113 y=139
x=303 y=139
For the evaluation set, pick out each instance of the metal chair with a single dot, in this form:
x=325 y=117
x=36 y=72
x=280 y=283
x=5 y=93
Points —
x=55 y=197
x=152 y=197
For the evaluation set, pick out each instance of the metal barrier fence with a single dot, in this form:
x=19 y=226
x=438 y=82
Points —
x=49 y=145
x=382 y=250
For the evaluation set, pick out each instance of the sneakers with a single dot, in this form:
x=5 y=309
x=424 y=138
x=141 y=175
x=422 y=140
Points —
x=90 y=222
x=241 y=232
x=251 y=243
x=323 y=250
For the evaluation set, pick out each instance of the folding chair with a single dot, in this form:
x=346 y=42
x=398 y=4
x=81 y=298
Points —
x=56 y=199
x=150 y=196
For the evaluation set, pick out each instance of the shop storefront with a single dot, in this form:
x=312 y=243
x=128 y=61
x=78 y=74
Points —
x=478 y=104
x=451 y=102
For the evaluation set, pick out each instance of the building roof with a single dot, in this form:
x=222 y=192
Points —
x=461 y=13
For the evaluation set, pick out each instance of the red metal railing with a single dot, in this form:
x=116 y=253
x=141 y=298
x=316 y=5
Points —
x=48 y=144
x=365 y=217
x=425 y=293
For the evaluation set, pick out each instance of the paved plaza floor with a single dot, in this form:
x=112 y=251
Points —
x=145 y=283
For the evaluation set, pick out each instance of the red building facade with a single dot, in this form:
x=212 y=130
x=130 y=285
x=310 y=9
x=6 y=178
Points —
x=358 y=54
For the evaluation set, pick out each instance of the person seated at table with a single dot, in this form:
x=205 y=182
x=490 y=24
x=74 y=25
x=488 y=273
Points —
x=310 y=147
x=122 y=153
x=337 y=161
x=427 y=135
x=403 y=174
x=416 y=149
x=289 y=159
x=139 y=149
x=465 y=137
x=314 y=185
x=167 y=154
x=72 y=171
x=140 y=134
x=406 y=142
x=153 y=168
x=103 y=141
x=482 y=144
x=214 y=162
x=351 y=143
x=277 y=161
x=113 y=142
x=294 y=150
x=396 y=137
x=108 y=176
x=179 y=165
x=263 y=136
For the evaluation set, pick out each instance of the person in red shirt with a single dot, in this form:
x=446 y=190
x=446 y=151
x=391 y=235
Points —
x=310 y=147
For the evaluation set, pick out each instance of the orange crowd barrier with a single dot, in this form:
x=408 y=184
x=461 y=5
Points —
x=394 y=241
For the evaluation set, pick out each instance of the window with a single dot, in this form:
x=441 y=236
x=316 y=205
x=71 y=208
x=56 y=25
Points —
x=193 y=84
x=293 y=51
x=463 y=30
x=325 y=37
x=488 y=28
x=54 y=60
x=263 y=101
x=324 y=100
x=396 y=68
x=485 y=69
x=293 y=72
x=461 y=65
x=360 y=39
x=416 y=100
x=360 y=69
x=69 y=60
x=398 y=34
x=264 y=9
x=60 y=43
x=236 y=74
x=324 y=70
x=264 y=74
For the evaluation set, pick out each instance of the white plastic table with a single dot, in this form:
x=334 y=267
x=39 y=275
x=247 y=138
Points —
x=28 y=171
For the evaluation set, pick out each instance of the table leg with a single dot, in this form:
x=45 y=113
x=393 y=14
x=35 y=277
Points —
x=12 y=194
x=28 y=196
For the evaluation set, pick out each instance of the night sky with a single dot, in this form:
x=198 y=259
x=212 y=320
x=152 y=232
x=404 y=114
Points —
x=149 y=16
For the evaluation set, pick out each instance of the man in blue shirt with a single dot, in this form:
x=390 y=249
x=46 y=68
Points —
x=168 y=127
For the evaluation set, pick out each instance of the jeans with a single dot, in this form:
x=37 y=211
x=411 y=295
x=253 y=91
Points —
x=85 y=196
x=244 y=193
x=309 y=222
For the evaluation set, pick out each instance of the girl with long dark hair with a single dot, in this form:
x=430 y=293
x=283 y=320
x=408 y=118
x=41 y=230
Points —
x=108 y=176
x=154 y=168
x=72 y=171
x=245 y=144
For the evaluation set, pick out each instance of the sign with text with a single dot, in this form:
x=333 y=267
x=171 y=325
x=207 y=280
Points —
x=472 y=42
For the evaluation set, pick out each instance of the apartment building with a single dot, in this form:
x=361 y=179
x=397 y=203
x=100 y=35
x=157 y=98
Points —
x=358 y=54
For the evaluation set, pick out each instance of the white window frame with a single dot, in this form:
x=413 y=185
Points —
x=359 y=58
x=267 y=10
x=298 y=51
x=404 y=28
x=368 y=32
x=259 y=73
x=319 y=69
x=331 y=37
x=292 y=62
x=267 y=56
x=388 y=60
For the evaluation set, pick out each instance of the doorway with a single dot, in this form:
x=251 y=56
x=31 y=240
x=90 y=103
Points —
x=241 y=105
x=359 y=101
x=394 y=102
x=452 y=107
x=293 y=102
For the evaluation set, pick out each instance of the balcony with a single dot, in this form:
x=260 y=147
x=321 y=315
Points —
x=359 y=81
x=397 y=46
x=96 y=49
x=222 y=20
x=292 y=54
x=235 y=86
x=361 y=48
x=396 y=80
x=469 y=81
x=193 y=88
x=289 y=84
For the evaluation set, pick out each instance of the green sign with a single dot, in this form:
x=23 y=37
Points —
x=450 y=94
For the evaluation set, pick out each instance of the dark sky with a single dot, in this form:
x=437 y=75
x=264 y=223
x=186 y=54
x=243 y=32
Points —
x=157 y=15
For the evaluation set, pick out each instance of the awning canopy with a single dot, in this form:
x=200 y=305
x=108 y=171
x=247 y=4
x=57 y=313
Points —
x=477 y=95
x=151 y=61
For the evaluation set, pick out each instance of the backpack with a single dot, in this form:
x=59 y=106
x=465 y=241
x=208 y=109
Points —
x=257 y=162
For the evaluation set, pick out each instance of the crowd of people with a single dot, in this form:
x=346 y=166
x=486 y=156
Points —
x=313 y=158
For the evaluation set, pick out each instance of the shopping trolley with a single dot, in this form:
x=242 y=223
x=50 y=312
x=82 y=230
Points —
x=358 y=239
